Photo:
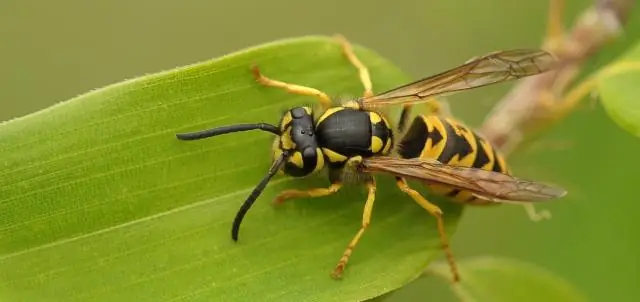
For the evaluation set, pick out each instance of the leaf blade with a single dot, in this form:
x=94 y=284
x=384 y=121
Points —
x=500 y=279
x=99 y=201
x=617 y=86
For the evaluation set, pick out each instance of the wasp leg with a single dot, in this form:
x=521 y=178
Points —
x=315 y=192
x=536 y=215
x=404 y=117
x=324 y=99
x=365 y=78
x=366 y=219
x=553 y=42
x=555 y=29
x=437 y=213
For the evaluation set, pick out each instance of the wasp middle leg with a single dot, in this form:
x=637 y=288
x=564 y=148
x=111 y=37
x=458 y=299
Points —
x=324 y=99
x=315 y=192
x=366 y=219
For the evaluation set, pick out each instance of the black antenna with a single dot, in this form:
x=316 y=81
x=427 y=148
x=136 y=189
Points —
x=254 y=195
x=227 y=129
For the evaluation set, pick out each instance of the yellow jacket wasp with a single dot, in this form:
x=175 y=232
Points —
x=445 y=155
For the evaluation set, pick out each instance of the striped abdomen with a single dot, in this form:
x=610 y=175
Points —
x=450 y=142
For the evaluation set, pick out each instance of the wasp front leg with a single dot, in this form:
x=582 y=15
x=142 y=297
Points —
x=315 y=192
x=322 y=97
x=363 y=71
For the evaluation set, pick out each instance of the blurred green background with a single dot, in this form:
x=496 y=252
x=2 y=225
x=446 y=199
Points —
x=53 y=51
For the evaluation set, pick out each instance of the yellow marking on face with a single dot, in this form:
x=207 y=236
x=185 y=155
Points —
x=376 y=144
x=275 y=148
x=287 y=142
x=326 y=114
x=333 y=156
x=276 y=152
x=286 y=119
x=296 y=159
x=307 y=110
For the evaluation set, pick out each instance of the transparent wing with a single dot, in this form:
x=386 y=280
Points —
x=485 y=184
x=490 y=69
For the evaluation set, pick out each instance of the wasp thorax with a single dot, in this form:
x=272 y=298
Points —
x=298 y=139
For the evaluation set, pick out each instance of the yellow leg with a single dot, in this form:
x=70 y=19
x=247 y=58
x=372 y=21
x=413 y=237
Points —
x=366 y=219
x=571 y=99
x=559 y=106
x=365 y=78
x=315 y=192
x=324 y=99
x=437 y=213
x=555 y=29
x=536 y=215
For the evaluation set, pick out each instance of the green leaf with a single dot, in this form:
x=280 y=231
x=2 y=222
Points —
x=100 y=202
x=619 y=87
x=506 y=280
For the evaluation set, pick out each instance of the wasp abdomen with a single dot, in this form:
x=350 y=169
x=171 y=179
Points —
x=450 y=142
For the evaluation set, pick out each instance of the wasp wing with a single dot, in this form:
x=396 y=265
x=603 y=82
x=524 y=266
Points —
x=486 y=70
x=484 y=184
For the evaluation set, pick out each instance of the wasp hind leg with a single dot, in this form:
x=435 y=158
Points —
x=366 y=219
x=554 y=42
x=363 y=71
x=322 y=97
x=536 y=215
x=404 y=117
x=437 y=213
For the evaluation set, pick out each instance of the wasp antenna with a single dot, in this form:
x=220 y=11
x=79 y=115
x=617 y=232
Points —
x=228 y=129
x=235 y=229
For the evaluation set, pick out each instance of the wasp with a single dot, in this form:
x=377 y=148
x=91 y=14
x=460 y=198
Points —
x=355 y=137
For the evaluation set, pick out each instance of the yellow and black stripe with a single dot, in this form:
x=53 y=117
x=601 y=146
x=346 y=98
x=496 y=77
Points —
x=450 y=142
